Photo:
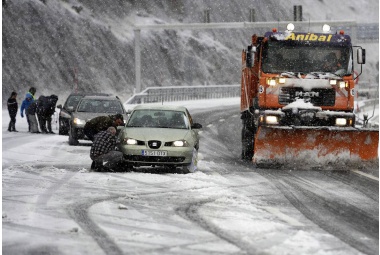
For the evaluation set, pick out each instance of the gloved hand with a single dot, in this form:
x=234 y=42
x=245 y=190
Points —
x=22 y=115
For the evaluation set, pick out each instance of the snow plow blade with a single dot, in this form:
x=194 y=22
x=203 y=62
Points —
x=321 y=148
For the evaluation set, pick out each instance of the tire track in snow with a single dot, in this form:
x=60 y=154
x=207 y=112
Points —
x=79 y=212
x=190 y=212
x=351 y=224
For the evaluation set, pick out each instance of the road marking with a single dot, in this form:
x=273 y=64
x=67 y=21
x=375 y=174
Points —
x=282 y=216
x=366 y=175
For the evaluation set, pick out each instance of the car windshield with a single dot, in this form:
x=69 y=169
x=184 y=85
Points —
x=73 y=101
x=158 y=119
x=100 y=106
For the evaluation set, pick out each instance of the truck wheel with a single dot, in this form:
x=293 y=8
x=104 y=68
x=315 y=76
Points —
x=247 y=138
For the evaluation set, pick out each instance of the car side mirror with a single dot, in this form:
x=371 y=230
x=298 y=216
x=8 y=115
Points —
x=196 y=126
x=59 y=106
x=70 y=108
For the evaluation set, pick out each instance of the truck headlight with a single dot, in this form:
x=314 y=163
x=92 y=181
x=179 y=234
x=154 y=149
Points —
x=340 y=122
x=271 y=82
x=273 y=120
x=326 y=28
x=275 y=81
x=343 y=84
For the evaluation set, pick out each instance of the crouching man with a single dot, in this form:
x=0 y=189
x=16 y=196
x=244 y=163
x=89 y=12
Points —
x=103 y=150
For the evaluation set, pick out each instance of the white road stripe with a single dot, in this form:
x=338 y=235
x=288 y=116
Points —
x=366 y=175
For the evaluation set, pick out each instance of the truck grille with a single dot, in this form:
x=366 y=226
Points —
x=318 y=97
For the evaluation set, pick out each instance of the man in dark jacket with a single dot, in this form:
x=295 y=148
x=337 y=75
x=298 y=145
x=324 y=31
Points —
x=12 y=109
x=103 y=149
x=45 y=109
x=31 y=112
x=101 y=123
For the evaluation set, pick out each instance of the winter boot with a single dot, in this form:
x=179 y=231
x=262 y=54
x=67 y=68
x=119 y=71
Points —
x=14 y=127
x=97 y=166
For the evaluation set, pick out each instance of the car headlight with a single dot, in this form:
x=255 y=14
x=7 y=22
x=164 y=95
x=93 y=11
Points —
x=130 y=141
x=79 y=121
x=180 y=143
x=340 y=122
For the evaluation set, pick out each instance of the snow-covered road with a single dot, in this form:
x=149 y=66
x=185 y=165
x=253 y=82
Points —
x=53 y=204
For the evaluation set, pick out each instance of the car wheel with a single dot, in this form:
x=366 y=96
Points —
x=127 y=167
x=62 y=129
x=192 y=167
x=72 y=139
x=186 y=169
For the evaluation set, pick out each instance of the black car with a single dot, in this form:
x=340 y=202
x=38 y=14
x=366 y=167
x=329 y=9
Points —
x=69 y=106
x=88 y=108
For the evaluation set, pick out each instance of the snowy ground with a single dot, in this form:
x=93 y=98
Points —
x=53 y=204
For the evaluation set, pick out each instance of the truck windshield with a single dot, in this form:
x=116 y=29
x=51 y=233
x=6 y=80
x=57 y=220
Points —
x=282 y=56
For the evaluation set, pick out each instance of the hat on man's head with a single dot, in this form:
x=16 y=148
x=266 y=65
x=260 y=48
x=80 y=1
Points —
x=32 y=90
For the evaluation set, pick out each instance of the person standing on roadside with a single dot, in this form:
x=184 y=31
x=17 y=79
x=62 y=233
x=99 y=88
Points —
x=32 y=117
x=45 y=109
x=29 y=98
x=12 y=109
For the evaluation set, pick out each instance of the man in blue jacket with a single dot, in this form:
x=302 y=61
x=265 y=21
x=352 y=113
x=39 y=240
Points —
x=29 y=98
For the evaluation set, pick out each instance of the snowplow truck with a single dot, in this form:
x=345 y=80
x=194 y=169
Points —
x=297 y=102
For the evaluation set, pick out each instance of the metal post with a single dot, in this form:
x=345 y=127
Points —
x=137 y=33
x=297 y=12
x=251 y=15
x=206 y=16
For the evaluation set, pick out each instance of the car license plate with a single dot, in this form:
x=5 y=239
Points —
x=154 y=153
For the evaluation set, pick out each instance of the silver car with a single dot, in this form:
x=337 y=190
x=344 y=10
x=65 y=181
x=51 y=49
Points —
x=157 y=135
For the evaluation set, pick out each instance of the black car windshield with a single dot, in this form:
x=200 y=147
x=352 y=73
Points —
x=100 y=106
x=158 y=119
x=281 y=56
x=73 y=101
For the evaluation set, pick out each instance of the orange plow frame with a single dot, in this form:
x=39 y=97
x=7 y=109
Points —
x=315 y=146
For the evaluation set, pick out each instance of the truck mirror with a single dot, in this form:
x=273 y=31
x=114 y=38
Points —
x=361 y=56
x=250 y=56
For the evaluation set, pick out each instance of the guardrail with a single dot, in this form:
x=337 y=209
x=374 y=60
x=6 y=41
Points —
x=184 y=93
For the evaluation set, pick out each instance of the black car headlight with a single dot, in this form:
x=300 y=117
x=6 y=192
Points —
x=78 y=121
